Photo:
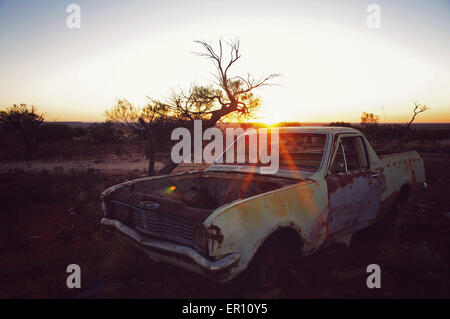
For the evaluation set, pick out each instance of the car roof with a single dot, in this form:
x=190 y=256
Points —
x=317 y=129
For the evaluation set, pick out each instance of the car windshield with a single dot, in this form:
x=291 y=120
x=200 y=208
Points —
x=297 y=151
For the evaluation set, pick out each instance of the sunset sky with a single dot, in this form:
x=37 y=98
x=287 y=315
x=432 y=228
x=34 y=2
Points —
x=333 y=66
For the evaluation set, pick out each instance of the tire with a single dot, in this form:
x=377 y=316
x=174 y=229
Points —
x=269 y=266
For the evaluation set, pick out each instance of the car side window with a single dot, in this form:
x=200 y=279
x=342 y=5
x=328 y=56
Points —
x=362 y=154
x=355 y=153
x=350 y=153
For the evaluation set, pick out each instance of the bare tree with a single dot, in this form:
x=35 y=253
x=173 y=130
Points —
x=233 y=93
x=227 y=96
x=418 y=108
x=23 y=122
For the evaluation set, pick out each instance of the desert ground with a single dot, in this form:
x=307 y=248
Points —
x=50 y=219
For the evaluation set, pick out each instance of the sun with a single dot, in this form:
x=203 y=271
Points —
x=269 y=117
x=269 y=121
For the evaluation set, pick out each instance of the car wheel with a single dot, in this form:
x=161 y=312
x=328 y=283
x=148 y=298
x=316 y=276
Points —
x=267 y=267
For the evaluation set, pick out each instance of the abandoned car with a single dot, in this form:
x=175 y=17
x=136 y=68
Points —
x=226 y=219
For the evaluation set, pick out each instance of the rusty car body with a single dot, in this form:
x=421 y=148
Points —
x=214 y=222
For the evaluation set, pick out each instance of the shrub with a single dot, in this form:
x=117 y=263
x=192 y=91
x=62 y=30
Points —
x=106 y=132
x=56 y=132
x=79 y=131
x=22 y=124
x=52 y=186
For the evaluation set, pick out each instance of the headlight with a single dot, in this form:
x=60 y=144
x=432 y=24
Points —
x=199 y=237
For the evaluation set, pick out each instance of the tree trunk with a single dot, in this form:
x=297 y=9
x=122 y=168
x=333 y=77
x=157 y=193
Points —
x=152 y=151
x=151 y=147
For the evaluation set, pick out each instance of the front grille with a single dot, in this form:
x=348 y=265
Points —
x=156 y=224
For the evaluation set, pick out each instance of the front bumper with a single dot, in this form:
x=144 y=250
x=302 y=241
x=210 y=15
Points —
x=175 y=254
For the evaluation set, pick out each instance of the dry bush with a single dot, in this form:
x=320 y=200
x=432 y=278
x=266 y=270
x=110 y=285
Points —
x=22 y=124
x=79 y=189
x=74 y=186
x=105 y=132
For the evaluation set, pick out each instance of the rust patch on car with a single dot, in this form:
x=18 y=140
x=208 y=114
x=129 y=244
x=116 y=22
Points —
x=336 y=181
x=341 y=180
x=215 y=234
x=319 y=227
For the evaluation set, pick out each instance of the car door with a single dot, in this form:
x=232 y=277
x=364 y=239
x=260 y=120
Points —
x=353 y=188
